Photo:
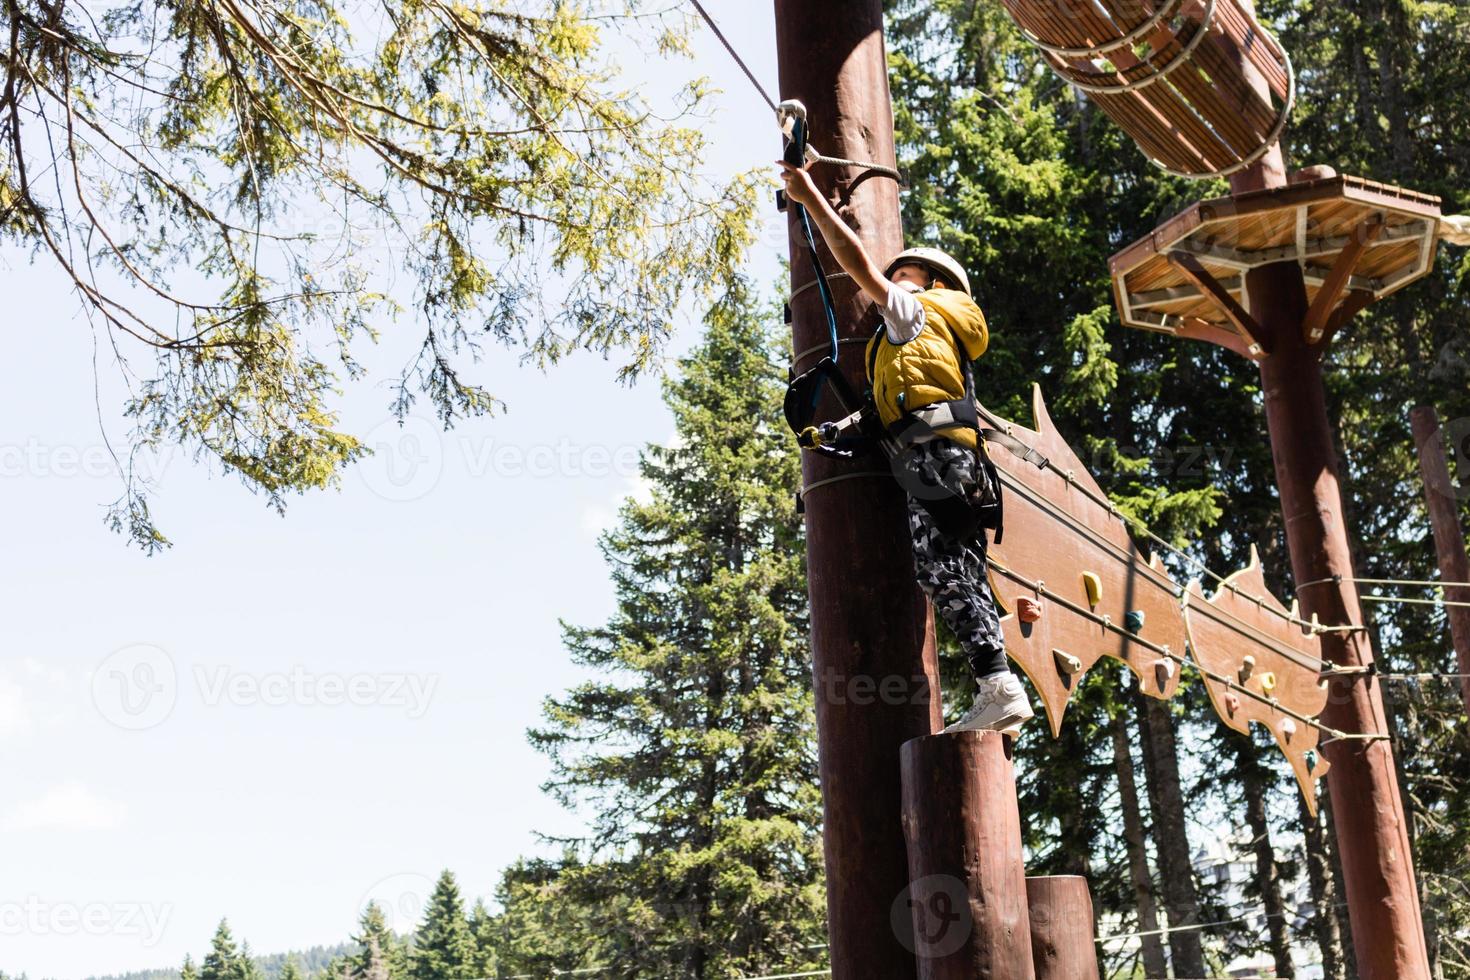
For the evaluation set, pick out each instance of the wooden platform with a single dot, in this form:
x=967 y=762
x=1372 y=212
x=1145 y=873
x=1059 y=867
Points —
x=1357 y=241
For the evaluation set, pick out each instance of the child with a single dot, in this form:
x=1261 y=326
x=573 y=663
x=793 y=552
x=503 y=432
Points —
x=930 y=323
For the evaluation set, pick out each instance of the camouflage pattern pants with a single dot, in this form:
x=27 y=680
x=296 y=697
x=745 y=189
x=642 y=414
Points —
x=950 y=571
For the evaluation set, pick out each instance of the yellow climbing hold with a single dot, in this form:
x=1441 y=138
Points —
x=1093 y=585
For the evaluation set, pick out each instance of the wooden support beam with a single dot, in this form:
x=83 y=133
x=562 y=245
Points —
x=1190 y=268
x=1197 y=329
x=1315 y=324
x=1357 y=301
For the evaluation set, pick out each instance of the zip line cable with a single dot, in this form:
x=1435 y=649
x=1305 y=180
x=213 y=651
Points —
x=1415 y=602
x=734 y=54
x=1430 y=583
x=813 y=156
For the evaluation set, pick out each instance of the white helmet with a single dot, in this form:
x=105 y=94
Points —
x=938 y=263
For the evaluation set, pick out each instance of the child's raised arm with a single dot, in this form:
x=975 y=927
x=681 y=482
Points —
x=843 y=242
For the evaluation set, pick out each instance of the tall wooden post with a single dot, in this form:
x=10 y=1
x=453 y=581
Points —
x=1368 y=811
x=1449 y=537
x=871 y=631
x=968 y=881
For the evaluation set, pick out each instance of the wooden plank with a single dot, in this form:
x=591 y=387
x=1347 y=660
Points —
x=1315 y=323
x=1190 y=267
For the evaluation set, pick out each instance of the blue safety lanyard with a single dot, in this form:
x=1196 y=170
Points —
x=796 y=156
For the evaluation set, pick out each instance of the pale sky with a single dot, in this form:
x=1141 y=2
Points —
x=281 y=718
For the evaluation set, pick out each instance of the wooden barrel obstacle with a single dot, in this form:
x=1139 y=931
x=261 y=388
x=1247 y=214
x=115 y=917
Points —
x=1179 y=76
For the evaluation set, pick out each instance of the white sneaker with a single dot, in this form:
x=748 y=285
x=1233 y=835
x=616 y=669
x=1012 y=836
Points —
x=1000 y=705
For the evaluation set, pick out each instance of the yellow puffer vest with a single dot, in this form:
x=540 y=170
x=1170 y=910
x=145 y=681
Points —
x=927 y=369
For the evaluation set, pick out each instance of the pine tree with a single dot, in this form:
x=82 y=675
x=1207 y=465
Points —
x=379 y=947
x=484 y=931
x=225 y=960
x=693 y=742
x=290 y=970
x=443 y=948
x=188 y=972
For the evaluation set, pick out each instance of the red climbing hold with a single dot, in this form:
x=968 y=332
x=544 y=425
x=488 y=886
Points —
x=1028 y=610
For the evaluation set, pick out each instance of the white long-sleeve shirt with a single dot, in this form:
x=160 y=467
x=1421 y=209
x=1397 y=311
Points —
x=903 y=314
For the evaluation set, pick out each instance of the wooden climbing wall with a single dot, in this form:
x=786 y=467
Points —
x=1245 y=635
x=1067 y=553
x=1073 y=587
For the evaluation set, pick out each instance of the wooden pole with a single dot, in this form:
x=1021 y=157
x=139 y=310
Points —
x=1449 y=536
x=968 y=891
x=1368 y=811
x=871 y=631
x=1063 y=940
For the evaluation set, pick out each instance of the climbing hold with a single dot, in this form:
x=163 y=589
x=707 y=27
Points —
x=1288 y=728
x=1067 y=663
x=1247 y=667
x=1268 y=681
x=1134 y=621
x=1163 y=671
x=1093 y=585
x=1232 y=703
x=1028 y=610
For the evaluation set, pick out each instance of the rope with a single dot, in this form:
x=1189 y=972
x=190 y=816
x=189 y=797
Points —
x=877 y=168
x=846 y=476
x=814 y=156
x=1428 y=583
x=821 y=347
x=1107 y=623
x=803 y=288
x=734 y=54
x=1414 y=602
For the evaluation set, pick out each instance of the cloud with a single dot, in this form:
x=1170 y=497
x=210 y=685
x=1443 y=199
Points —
x=69 y=806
